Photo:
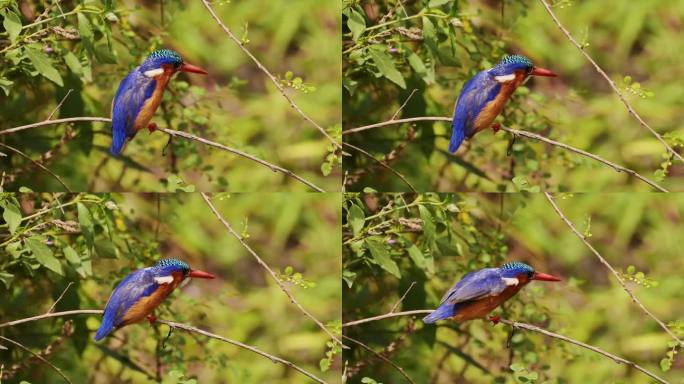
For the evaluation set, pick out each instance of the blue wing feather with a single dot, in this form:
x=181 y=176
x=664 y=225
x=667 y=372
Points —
x=475 y=95
x=474 y=285
x=133 y=91
x=136 y=285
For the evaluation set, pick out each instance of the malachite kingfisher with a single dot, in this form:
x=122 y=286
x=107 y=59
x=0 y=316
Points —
x=484 y=96
x=140 y=94
x=480 y=292
x=136 y=296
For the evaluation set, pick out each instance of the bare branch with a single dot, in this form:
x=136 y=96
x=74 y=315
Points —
x=268 y=74
x=615 y=358
x=527 y=134
x=385 y=316
x=382 y=357
x=185 y=135
x=396 y=305
x=274 y=359
x=37 y=164
x=610 y=268
x=188 y=328
x=38 y=356
x=60 y=297
x=63 y=99
x=383 y=164
x=394 y=116
x=612 y=84
x=267 y=268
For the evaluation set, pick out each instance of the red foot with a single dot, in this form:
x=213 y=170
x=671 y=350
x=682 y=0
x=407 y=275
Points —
x=152 y=127
x=152 y=319
x=496 y=127
x=495 y=319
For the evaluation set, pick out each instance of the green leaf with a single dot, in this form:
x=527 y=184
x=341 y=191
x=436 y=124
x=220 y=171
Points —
x=356 y=218
x=516 y=367
x=349 y=277
x=631 y=269
x=382 y=256
x=419 y=67
x=12 y=24
x=105 y=248
x=73 y=63
x=44 y=254
x=324 y=364
x=85 y=222
x=6 y=85
x=665 y=364
x=356 y=23
x=6 y=279
x=71 y=256
x=428 y=224
x=417 y=256
x=86 y=33
x=43 y=65
x=385 y=64
x=12 y=216
x=437 y=3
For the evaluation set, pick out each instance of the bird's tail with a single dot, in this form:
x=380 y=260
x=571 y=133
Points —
x=118 y=137
x=444 y=311
x=102 y=331
x=457 y=134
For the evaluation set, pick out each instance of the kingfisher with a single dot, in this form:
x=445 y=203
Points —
x=140 y=94
x=480 y=292
x=484 y=96
x=137 y=295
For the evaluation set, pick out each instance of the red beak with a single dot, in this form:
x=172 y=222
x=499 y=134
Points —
x=201 y=274
x=536 y=71
x=544 y=277
x=192 y=68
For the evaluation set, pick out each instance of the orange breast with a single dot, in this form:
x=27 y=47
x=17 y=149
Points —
x=151 y=104
x=494 y=107
x=139 y=311
x=481 y=308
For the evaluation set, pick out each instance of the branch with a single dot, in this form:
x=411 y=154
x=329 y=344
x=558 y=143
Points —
x=615 y=358
x=610 y=268
x=612 y=84
x=39 y=357
x=274 y=359
x=528 y=327
x=527 y=134
x=37 y=164
x=171 y=324
x=382 y=357
x=383 y=164
x=171 y=132
x=267 y=268
x=268 y=74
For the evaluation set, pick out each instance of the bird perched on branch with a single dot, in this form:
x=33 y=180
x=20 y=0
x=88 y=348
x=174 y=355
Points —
x=140 y=94
x=480 y=292
x=135 y=297
x=484 y=96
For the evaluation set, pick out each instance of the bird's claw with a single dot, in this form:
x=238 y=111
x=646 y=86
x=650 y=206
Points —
x=152 y=127
x=496 y=127
x=152 y=319
x=495 y=319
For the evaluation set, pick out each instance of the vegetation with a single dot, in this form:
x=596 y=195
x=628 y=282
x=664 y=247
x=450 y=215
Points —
x=66 y=59
x=402 y=252
x=411 y=59
x=48 y=241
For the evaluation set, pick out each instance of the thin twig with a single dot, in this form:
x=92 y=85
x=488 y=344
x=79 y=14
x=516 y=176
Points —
x=610 y=268
x=385 y=316
x=404 y=104
x=268 y=74
x=394 y=307
x=171 y=324
x=61 y=102
x=382 y=357
x=383 y=164
x=271 y=166
x=527 y=134
x=615 y=358
x=60 y=297
x=612 y=84
x=39 y=357
x=267 y=268
x=37 y=164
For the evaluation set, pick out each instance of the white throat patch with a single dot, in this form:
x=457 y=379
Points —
x=164 y=280
x=154 y=72
x=505 y=78
x=510 y=281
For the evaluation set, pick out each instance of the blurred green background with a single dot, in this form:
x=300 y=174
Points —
x=434 y=47
x=440 y=237
x=236 y=104
x=297 y=234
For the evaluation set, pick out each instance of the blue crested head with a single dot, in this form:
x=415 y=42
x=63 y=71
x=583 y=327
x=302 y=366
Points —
x=510 y=64
x=516 y=268
x=168 y=266
x=161 y=57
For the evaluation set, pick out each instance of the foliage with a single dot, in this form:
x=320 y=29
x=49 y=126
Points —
x=94 y=240
x=411 y=59
x=401 y=252
x=66 y=59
